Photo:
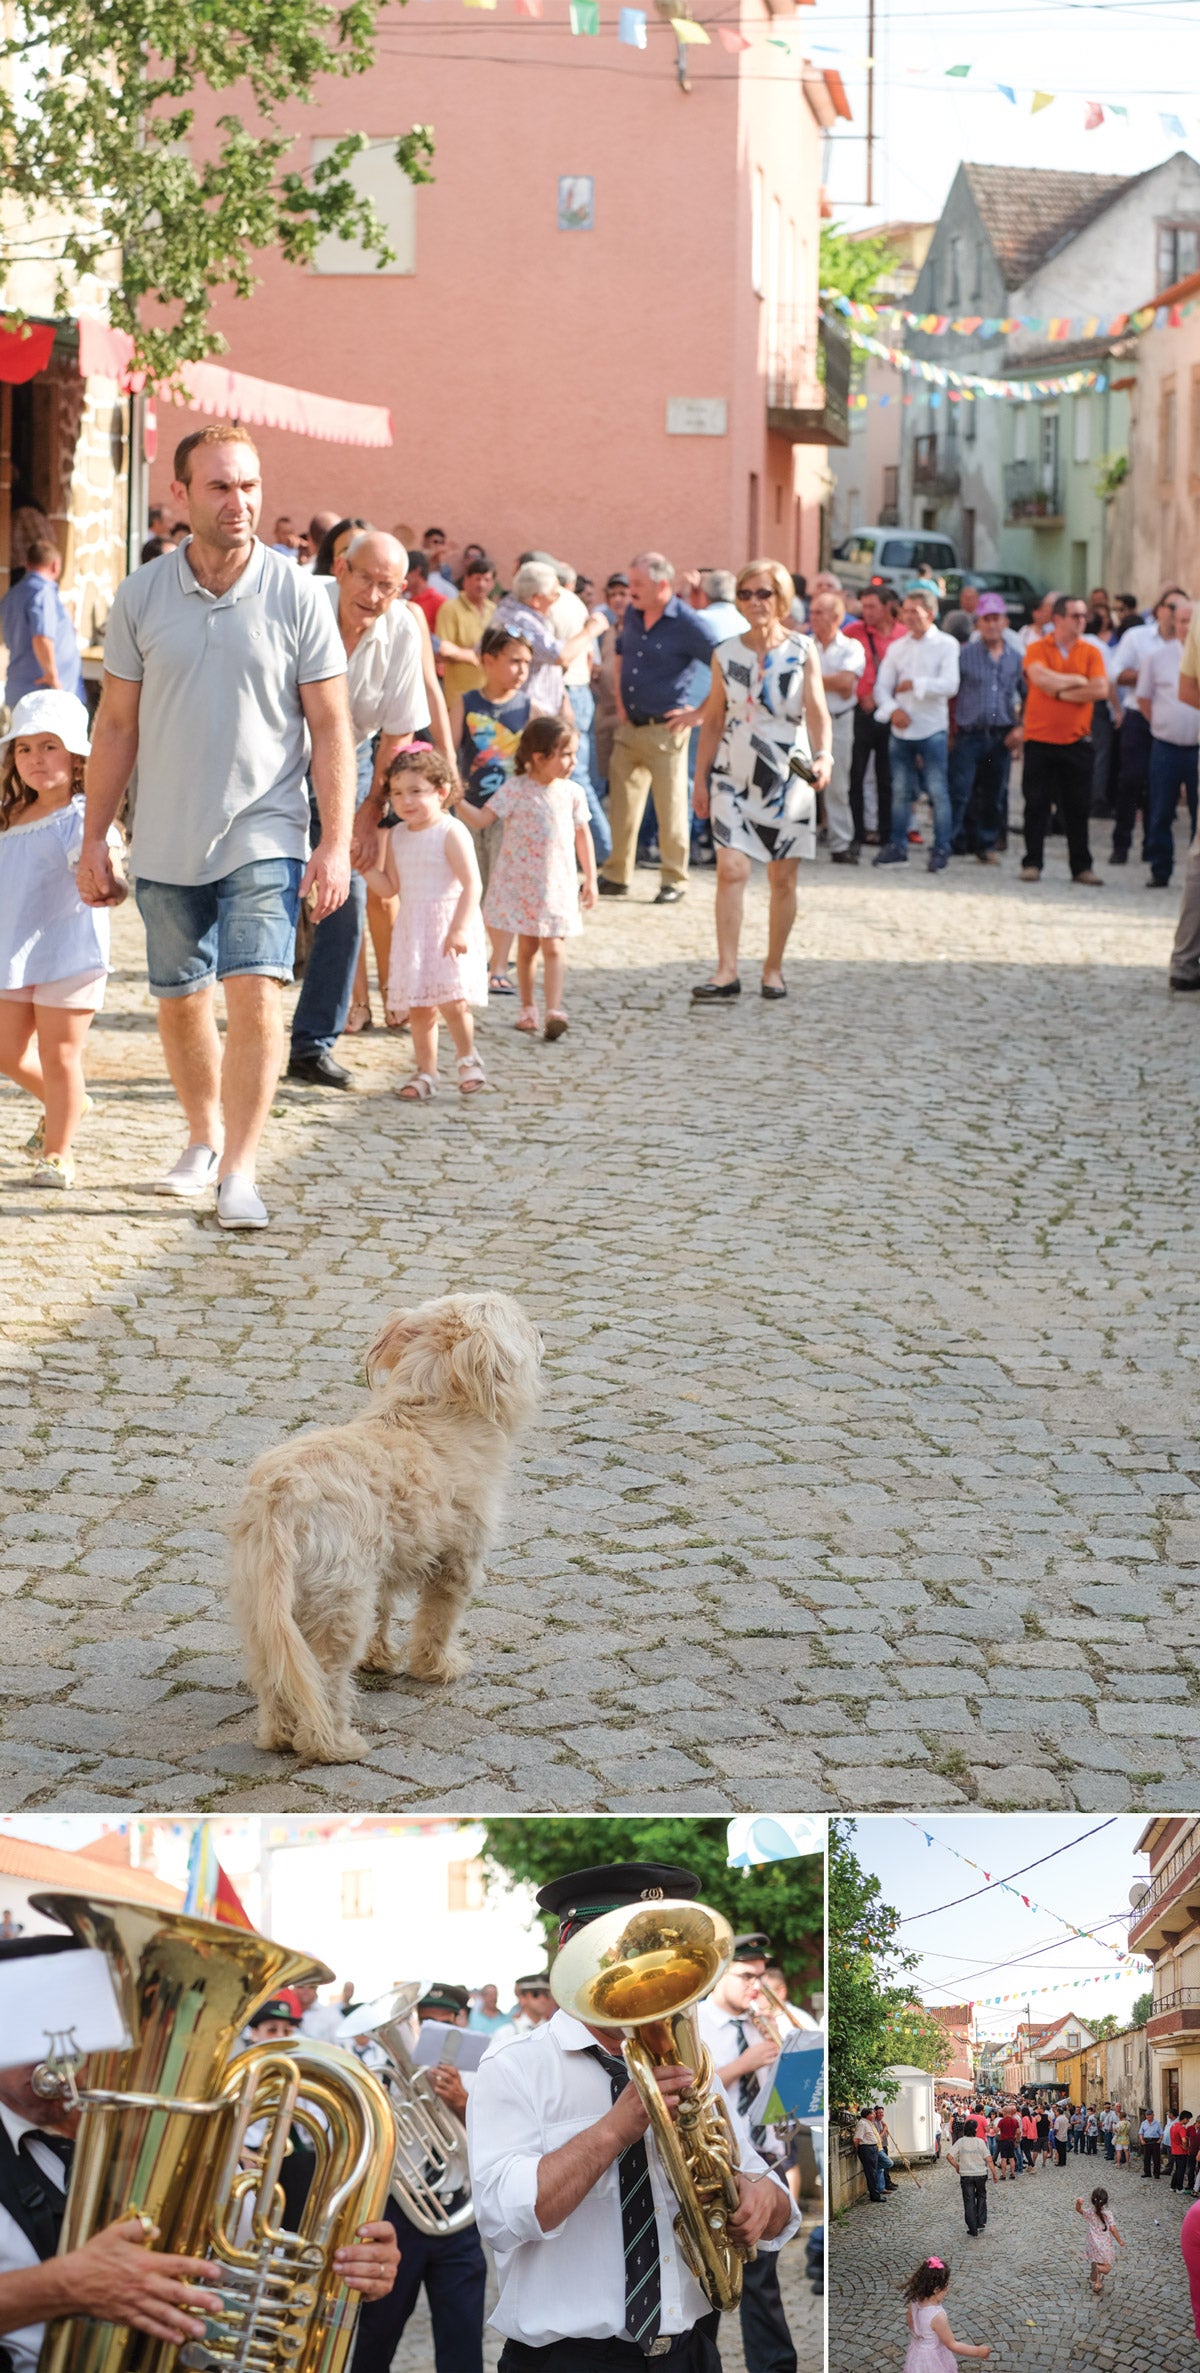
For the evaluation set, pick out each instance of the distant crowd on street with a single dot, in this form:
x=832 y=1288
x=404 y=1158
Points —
x=357 y=737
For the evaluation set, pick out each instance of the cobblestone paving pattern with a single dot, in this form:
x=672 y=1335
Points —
x=805 y=2314
x=1023 y=2286
x=867 y=1471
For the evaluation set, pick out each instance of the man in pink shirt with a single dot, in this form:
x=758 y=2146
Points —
x=875 y=627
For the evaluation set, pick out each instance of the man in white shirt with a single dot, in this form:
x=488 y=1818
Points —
x=1124 y=663
x=388 y=702
x=973 y=2164
x=842 y=664
x=569 y=2189
x=918 y=677
x=535 y=2004
x=745 y=2059
x=1174 y=738
x=322 y=2020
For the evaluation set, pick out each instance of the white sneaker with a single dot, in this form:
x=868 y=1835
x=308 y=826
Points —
x=238 y=1206
x=195 y=1170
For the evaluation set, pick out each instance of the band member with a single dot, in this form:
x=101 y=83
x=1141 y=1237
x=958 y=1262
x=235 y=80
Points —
x=745 y=2056
x=451 y=2266
x=568 y=2187
x=535 y=2003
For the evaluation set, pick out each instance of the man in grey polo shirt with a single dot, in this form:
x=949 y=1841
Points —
x=223 y=666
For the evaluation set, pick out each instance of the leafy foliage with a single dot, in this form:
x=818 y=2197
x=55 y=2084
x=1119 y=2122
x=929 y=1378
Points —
x=916 y=2039
x=1103 y=2028
x=785 y=1899
x=1142 y=2010
x=96 y=135
x=854 y=267
x=1111 y=472
x=868 y=2000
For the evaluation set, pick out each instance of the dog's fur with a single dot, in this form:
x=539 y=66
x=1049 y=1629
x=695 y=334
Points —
x=337 y=1526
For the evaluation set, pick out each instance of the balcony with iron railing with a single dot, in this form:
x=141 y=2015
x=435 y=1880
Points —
x=935 y=466
x=1032 y=494
x=808 y=377
x=1175 y=2013
x=1183 y=1863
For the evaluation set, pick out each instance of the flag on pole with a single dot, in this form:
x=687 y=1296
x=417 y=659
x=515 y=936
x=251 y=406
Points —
x=210 y=1893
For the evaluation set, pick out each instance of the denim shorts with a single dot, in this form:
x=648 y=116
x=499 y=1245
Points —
x=198 y=932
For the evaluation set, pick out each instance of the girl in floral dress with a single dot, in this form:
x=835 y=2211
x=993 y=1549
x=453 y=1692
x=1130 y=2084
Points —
x=438 y=959
x=533 y=889
x=1103 y=2239
x=932 y=2347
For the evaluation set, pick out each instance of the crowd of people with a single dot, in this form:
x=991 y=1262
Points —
x=388 y=752
x=546 y=2154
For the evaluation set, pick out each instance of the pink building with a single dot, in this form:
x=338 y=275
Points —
x=601 y=332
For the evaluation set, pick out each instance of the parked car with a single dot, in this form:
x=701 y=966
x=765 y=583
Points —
x=1020 y=597
x=892 y=556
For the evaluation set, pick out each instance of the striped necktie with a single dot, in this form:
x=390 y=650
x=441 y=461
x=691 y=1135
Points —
x=639 y=2229
x=747 y=2084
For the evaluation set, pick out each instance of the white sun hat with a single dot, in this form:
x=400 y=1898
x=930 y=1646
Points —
x=50 y=710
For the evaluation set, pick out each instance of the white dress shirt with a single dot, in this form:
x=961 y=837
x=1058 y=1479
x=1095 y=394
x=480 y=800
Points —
x=324 y=2021
x=718 y=2029
x=565 y=619
x=841 y=657
x=930 y=660
x=383 y=672
x=568 y=2284
x=16 y=2251
x=1130 y=652
x=1158 y=682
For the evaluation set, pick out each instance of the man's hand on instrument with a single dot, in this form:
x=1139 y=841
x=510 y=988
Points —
x=758 y=2210
x=119 y=2278
x=629 y=2113
x=449 y=2087
x=371 y=2262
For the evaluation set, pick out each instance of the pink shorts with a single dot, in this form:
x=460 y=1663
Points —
x=80 y=992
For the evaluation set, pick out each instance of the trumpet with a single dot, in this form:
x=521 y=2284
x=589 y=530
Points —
x=431 y=2143
x=164 y=2135
x=642 y=1972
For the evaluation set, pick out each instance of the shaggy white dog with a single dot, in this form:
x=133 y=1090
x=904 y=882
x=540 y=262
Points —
x=403 y=1503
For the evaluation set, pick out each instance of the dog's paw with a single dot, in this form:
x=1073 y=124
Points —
x=346 y=1749
x=381 y=1657
x=435 y=1664
x=274 y=1737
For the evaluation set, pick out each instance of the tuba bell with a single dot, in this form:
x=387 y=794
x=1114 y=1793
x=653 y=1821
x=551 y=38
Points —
x=431 y=2143
x=168 y=2133
x=642 y=1972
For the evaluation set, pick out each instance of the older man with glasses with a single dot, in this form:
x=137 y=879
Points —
x=1065 y=677
x=387 y=704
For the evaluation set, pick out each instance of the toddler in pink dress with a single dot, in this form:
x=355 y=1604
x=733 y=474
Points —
x=932 y=2347
x=533 y=890
x=1102 y=2241
x=438 y=957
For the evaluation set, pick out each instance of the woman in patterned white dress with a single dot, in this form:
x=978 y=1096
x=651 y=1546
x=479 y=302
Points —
x=767 y=701
x=438 y=957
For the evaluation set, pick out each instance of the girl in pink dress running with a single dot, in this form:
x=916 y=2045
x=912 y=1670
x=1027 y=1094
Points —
x=532 y=890
x=932 y=2347
x=438 y=958
x=1103 y=2239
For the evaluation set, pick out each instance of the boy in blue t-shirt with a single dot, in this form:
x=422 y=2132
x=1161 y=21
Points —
x=487 y=726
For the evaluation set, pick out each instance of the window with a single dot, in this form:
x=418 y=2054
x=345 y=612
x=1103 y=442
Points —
x=953 y=289
x=1166 y=429
x=1021 y=434
x=977 y=275
x=1072 y=2039
x=374 y=174
x=1178 y=252
x=891 y=473
x=358 y=1894
x=897 y=553
x=758 y=209
x=970 y=413
x=1081 y=429
x=933 y=552
x=464 y=1886
x=968 y=539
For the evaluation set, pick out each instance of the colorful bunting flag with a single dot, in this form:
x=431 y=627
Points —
x=631 y=28
x=958 y=70
x=1173 y=126
x=686 y=30
x=1093 y=116
x=1041 y=99
x=1007 y=93
x=585 y=16
x=730 y=38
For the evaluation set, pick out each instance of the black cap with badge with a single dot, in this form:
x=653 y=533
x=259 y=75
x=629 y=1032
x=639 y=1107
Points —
x=755 y=1947
x=585 y=1895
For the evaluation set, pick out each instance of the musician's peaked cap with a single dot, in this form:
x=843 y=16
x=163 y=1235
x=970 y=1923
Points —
x=585 y=1895
x=754 y=1947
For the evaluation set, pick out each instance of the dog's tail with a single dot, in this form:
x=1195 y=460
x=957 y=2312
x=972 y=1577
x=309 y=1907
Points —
x=282 y=1666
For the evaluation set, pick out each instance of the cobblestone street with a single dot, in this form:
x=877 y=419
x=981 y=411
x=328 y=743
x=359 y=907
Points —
x=1023 y=2286
x=867 y=1470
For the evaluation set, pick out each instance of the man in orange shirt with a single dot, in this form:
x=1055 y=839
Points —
x=1066 y=677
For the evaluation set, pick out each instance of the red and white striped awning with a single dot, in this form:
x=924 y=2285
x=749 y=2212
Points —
x=234 y=395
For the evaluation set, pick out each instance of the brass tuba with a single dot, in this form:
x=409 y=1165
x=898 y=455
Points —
x=165 y=2133
x=642 y=1972
x=431 y=2143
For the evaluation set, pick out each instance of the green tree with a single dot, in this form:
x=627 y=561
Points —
x=867 y=1993
x=1103 y=2028
x=854 y=267
x=97 y=133
x=915 y=2039
x=786 y=1899
x=1142 y=2010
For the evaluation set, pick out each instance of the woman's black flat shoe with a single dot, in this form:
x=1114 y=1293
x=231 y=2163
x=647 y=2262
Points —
x=770 y=991
x=716 y=992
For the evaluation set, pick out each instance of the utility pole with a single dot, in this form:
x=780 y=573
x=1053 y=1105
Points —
x=870 y=102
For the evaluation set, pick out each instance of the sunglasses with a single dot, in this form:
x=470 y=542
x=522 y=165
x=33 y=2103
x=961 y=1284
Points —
x=757 y=593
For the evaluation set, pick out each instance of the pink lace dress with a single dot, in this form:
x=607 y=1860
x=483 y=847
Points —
x=418 y=972
x=533 y=889
x=926 y=2353
x=1099 y=2248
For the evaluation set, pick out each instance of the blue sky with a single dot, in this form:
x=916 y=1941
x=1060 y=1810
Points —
x=1141 y=53
x=992 y=1945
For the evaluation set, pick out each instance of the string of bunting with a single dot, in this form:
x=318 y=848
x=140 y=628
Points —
x=1095 y=112
x=1075 y=1985
x=584 y=17
x=1130 y=1963
x=964 y=386
x=1055 y=328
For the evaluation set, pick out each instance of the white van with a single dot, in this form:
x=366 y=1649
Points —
x=892 y=556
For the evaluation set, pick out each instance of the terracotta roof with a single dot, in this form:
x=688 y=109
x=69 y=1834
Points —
x=1028 y=211
x=77 y=1874
x=954 y=2014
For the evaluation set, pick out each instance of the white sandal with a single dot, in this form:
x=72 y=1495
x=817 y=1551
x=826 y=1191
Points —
x=471 y=1075
x=418 y=1088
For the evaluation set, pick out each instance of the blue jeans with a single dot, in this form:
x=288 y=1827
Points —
x=979 y=761
x=583 y=705
x=328 y=984
x=920 y=766
x=885 y=2164
x=1171 y=769
x=198 y=932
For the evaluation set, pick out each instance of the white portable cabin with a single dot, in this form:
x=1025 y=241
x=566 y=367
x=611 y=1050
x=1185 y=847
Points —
x=910 y=2115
